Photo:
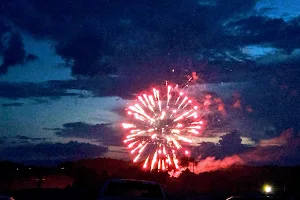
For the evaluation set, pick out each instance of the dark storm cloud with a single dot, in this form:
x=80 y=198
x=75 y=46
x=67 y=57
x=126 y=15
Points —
x=3 y=139
x=85 y=52
x=31 y=57
x=188 y=27
x=74 y=25
x=230 y=144
x=103 y=86
x=12 y=48
x=104 y=37
x=235 y=6
x=55 y=151
x=28 y=90
x=274 y=32
x=281 y=150
x=100 y=86
x=22 y=137
x=103 y=133
x=3 y=29
x=12 y=104
x=20 y=140
x=277 y=99
x=14 y=53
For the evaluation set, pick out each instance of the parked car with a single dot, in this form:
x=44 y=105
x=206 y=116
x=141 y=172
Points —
x=131 y=189
x=249 y=198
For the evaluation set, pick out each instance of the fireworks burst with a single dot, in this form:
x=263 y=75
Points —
x=164 y=121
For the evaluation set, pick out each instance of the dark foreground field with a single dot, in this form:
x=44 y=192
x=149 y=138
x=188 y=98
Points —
x=84 y=194
x=83 y=180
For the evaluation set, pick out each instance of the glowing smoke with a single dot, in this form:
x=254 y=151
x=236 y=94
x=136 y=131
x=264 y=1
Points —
x=211 y=164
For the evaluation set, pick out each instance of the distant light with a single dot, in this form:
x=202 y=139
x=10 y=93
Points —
x=62 y=168
x=267 y=189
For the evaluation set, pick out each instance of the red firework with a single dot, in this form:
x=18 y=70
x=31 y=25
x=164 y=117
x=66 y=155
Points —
x=164 y=122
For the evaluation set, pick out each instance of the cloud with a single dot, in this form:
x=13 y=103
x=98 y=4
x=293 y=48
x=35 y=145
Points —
x=207 y=149
x=229 y=144
x=85 y=50
x=104 y=37
x=107 y=134
x=282 y=150
x=31 y=57
x=16 y=104
x=145 y=37
x=281 y=140
x=30 y=90
x=207 y=3
x=13 y=54
x=236 y=6
x=51 y=152
x=275 y=101
x=261 y=30
x=23 y=137
x=12 y=49
x=121 y=111
x=98 y=86
x=20 y=140
x=4 y=39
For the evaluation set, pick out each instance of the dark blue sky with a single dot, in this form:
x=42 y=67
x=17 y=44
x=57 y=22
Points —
x=68 y=68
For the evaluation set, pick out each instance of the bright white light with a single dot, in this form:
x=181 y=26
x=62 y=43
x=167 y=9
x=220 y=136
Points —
x=267 y=189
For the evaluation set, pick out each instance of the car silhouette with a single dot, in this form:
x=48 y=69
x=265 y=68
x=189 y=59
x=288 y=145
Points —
x=114 y=189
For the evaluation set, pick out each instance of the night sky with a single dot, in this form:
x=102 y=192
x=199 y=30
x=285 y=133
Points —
x=68 y=68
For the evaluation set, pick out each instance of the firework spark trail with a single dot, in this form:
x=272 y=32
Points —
x=163 y=124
